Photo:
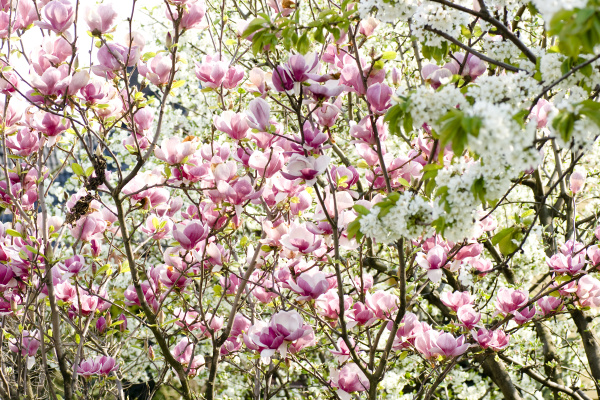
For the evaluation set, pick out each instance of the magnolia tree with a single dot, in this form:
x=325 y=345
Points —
x=385 y=199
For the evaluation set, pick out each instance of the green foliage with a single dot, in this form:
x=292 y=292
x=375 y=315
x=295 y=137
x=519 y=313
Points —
x=456 y=128
x=398 y=117
x=578 y=30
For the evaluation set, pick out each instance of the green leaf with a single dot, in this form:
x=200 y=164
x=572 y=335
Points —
x=361 y=209
x=14 y=233
x=178 y=84
x=389 y=55
x=77 y=170
x=502 y=234
x=303 y=44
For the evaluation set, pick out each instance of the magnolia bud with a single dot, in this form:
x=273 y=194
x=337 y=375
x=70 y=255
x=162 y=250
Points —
x=151 y=354
x=123 y=326
x=577 y=181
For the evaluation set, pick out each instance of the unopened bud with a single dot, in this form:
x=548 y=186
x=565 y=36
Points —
x=151 y=354
x=577 y=181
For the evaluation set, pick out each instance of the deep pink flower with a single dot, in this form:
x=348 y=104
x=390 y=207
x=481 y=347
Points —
x=211 y=71
x=328 y=305
x=433 y=261
x=549 y=305
x=305 y=168
x=379 y=97
x=468 y=316
x=73 y=265
x=509 y=300
x=88 y=367
x=24 y=142
x=496 y=340
x=309 y=285
x=190 y=234
x=300 y=239
x=525 y=315
x=349 y=379
x=29 y=343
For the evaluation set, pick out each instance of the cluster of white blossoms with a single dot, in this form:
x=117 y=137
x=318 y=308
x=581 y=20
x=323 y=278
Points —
x=409 y=218
x=501 y=142
x=458 y=207
x=514 y=89
x=441 y=18
x=388 y=11
x=428 y=105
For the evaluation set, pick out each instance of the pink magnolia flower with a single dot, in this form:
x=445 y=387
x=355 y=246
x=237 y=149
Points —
x=577 y=181
x=456 y=300
x=328 y=305
x=567 y=264
x=482 y=265
x=183 y=352
x=88 y=367
x=158 y=227
x=190 y=234
x=29 y=343
x=593 y=253
x=588 y=291
x=59 y=16
x=193 y=14
x=349 y=379
x=158 y=69
x=525 y=315
x=382 y=303
x=211 y=71
x=361 y=315
x=365 y=282
x=509 y=300
x=305 y=168
x=540 y=112
x=300 y=239
x=309 y=285
x=101 y=325
x=468 y=316
x=106 y=365
x=113 y=57
x=268 y=163
x=258 y=115
x=328 y=113
x=233 y=77
x=262 y=337
x=100 y=19
x=189 y=319
x=496 y=340
x=73 y=265
x=435 y=75
x=447 y=345
x=367 y=26
x=233 y=124
x=549 y=305
x=240 y=325
x=173 y=151
x=363 y=130
x=342 y=352
x=474 y=67
x=433 y=261
x=24 y=142
x=49 y=124
x=379 y=97
x=469 y=251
